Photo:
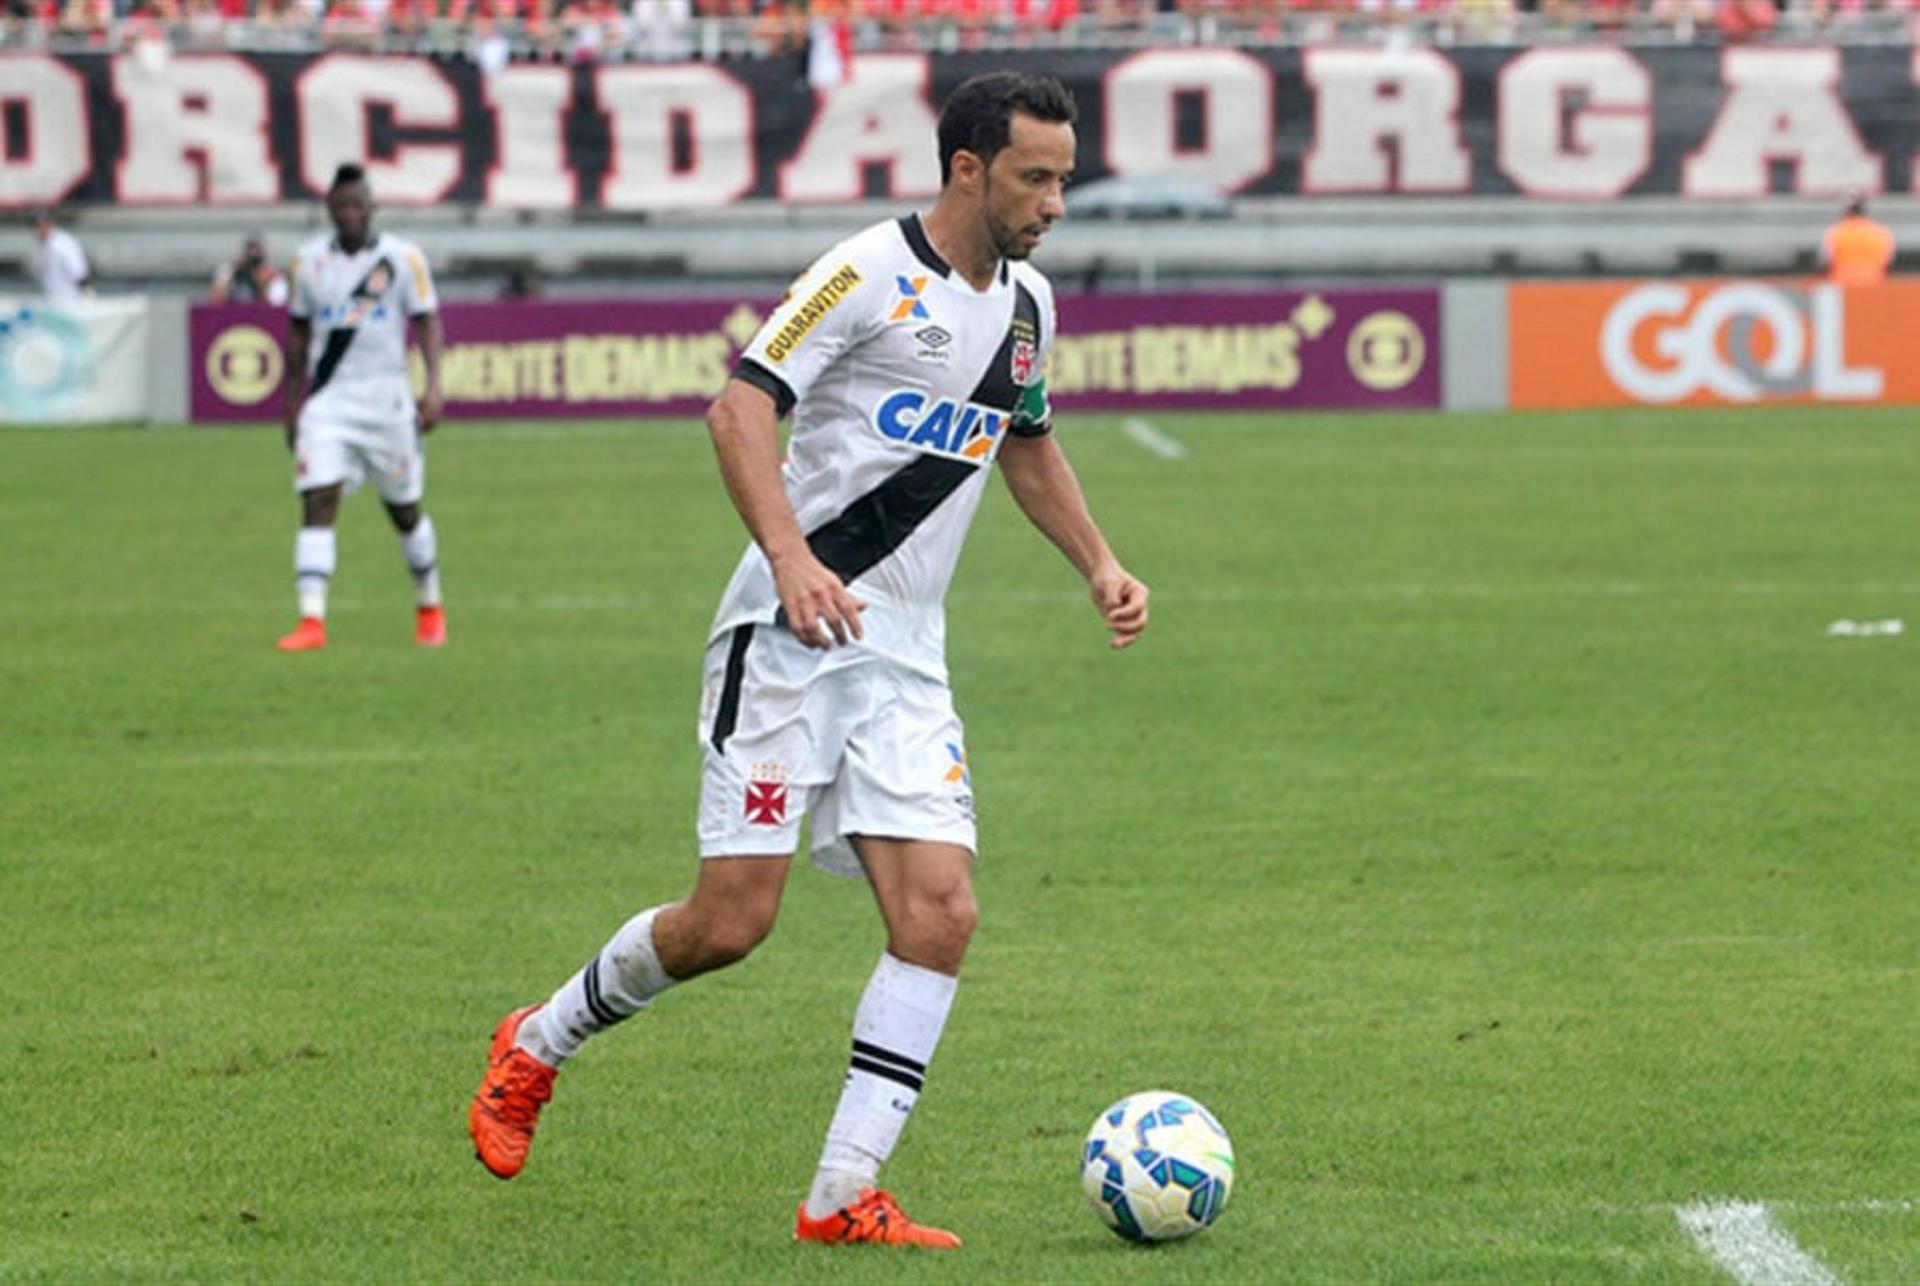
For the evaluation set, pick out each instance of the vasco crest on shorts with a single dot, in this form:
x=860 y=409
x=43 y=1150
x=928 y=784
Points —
x=766 y=795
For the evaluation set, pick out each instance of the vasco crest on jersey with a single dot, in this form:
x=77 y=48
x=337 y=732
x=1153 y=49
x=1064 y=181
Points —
x=1025 y=340
x=1022 y=362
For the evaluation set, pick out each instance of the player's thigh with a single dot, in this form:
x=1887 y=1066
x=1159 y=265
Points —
x=773 y=718
x=904 y=775
x=919 y=878
x=732 y=907
x=394 y=460
x=325 y=455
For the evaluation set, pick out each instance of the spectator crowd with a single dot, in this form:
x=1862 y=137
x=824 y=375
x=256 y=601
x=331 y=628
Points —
x=591 y=30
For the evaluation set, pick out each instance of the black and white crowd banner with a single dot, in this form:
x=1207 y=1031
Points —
x=1573 y=121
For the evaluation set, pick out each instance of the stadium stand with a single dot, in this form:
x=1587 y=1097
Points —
x=617 y=30
x=1163 y=237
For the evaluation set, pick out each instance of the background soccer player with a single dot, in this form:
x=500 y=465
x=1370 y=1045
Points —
x=350 y=409
x=911 y=358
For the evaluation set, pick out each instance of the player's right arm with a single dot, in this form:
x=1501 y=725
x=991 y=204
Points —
x=299 y=338
x=745 y=426
x=830 y=310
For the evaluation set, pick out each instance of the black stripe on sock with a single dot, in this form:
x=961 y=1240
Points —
x=890 y=1072
x=888 y=1056
x=728 y=712
x=595 y=1003
x=307 y=571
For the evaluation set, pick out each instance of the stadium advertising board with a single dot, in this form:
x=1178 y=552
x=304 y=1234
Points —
x=1275 y=349
x=1575 y=121
x=78 y=362
x=564 y=358
x=1711 y=343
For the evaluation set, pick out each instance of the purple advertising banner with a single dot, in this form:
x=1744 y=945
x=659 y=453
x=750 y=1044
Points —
x=525 y=359
x=1276 y=349
x=1336 y=347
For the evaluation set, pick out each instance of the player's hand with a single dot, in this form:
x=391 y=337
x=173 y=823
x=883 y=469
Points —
x=820 y=610
x=428 y=412
x=290 y=426
x=1122 y=600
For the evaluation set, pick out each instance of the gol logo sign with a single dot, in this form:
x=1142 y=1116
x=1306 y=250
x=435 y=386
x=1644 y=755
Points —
x=1742 y=342
x=1666 y=343
x=244 y=365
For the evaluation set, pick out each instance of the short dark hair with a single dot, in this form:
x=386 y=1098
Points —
x=348 y=173
x=978 y=115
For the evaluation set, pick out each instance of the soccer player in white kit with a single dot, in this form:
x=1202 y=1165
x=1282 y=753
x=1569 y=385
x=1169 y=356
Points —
x=59 y=263
x=351 y=416
x=911 y=357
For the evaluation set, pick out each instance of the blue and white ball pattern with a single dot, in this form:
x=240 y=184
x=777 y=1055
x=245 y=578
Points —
x=1157 y=1166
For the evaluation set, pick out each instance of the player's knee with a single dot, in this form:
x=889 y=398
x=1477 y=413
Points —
x=961 y=915
x=732 y=937
x=936 y=928
x=319 y=508
x=405 y=517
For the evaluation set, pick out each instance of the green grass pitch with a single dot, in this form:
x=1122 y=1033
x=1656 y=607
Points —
x=1488 y=830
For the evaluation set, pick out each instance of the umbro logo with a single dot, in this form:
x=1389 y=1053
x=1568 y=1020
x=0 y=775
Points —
x=930 y=345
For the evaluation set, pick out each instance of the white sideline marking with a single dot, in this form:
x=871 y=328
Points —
x=1865 y=629
x=1743 y=1239
x=1154 y=440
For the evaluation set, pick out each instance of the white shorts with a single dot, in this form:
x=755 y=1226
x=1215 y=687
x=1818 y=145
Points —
x=863 y=744
x=345 y=448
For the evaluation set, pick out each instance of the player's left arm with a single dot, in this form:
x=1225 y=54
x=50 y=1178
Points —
x=432 y=340
x=1048 y=492
x=423 y=306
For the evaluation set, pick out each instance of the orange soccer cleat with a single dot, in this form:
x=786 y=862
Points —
x=309 y=635
x=430 y=627
x=507 y=1105
x=876 y=1219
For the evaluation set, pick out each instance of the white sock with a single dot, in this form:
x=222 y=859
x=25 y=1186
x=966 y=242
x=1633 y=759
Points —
x=422 y=552
x=314 y=552
x=894 y=1034
x=613 y=986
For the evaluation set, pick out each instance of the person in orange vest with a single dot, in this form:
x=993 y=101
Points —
x=1857 y=249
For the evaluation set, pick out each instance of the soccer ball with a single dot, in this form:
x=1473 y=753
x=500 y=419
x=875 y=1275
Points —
x=1157 y=1166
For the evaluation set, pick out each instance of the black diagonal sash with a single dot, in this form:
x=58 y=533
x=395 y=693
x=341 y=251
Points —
x=340 y=338
x=998 y=388
x=879 y=522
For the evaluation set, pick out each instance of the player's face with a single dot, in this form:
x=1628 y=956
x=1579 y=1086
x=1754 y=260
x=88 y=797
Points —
x=1025 y=187
x=350 y=206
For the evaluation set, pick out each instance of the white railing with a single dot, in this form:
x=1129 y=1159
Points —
x=653 y=31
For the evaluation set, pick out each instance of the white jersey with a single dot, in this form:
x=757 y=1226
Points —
x=360 y=307
x=60 y=265
x=903 y=381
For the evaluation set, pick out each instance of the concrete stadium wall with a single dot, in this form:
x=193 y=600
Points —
x=1473 y=345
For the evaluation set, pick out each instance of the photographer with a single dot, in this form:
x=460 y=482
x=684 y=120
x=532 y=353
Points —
x=249 y=278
